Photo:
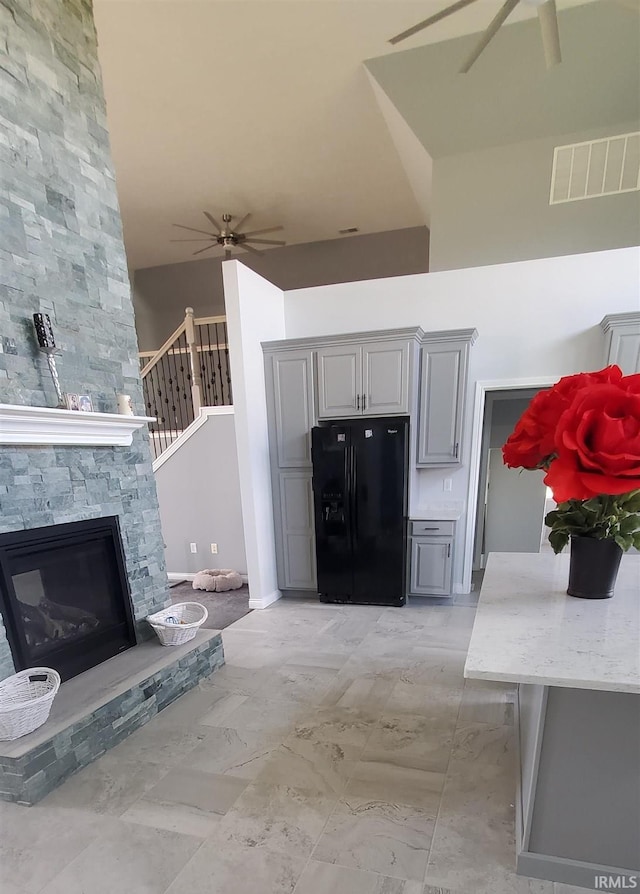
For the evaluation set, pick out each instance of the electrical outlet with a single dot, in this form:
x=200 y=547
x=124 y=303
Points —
x=193 y=547
x=214 y=548
x=447 y=484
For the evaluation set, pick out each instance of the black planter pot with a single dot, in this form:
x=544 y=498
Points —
x=593 y=568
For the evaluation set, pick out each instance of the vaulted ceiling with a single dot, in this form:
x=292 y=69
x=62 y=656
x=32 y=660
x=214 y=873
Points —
x=265 y=106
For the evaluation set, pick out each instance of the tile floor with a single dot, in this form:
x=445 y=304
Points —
x=339 y=751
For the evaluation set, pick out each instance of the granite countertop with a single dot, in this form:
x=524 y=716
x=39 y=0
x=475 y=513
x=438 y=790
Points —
x=527 y=630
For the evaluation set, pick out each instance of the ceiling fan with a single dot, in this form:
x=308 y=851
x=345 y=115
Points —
x=230 y=237
x=547 y=16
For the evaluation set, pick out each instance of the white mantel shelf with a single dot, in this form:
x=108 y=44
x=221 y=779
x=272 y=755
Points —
x=47 y=426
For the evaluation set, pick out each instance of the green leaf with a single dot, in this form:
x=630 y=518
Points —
x=631 y=501
x=629 y=524
x=558 y=540
x=624 y=543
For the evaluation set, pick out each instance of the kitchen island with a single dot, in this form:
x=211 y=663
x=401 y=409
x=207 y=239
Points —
x=577 y=666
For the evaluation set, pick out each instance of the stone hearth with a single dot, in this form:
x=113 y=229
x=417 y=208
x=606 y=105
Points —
x=101 y=707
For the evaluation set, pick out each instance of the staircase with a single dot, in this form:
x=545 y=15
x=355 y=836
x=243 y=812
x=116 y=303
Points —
x=191 y=370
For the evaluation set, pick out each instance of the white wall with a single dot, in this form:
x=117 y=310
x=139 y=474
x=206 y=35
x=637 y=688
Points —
x=199 y=497
x=255 y=313
x=535 y=319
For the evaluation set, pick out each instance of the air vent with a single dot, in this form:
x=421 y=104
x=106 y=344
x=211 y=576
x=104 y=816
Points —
x=348 y=230
x=596 y=168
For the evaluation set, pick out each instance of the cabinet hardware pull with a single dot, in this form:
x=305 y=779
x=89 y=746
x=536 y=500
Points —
x=431 y=529
x=448 y=550
x=364 y=402
x=358 y=402
x=455 y=450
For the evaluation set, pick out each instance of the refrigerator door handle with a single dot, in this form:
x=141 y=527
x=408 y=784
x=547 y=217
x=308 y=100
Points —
x=354 y=497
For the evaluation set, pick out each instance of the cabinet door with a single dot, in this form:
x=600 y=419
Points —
x=624 y=349
x=442 y=384
x=298 y=538
x=431 y=566
x=293 y=408
x=339 y=381
x=385 y=383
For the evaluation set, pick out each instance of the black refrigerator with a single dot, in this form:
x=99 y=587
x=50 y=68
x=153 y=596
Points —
x=360 y=487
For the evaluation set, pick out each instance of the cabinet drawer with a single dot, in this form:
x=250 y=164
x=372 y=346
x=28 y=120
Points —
x=444 y=528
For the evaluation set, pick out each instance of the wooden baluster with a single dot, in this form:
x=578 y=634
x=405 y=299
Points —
x=194 y=363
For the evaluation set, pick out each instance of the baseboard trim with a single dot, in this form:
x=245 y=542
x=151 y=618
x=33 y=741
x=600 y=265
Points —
x=266 y=601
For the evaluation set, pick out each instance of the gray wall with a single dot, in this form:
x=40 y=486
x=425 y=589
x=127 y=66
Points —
x=492 y=206
x=199 y=496
x=62 y=253
x=162 y=293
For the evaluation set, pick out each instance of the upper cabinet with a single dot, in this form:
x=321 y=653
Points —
x=339 y=381
x=385 y=377
x=443 y=382
x=365 y=378
x=289 y=376
x=622 y=341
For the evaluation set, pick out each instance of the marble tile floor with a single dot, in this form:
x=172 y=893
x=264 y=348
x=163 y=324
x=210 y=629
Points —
x=339 y=751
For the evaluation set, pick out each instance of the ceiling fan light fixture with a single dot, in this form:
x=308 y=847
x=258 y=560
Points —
x=228 y=236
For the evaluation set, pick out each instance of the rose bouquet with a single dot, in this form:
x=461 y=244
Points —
x=585 y=432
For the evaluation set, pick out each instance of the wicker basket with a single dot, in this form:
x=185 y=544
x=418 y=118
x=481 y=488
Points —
x=25 y=701
x=186 y=618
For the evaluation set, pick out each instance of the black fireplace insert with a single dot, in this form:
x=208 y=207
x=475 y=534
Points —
x=64 y=595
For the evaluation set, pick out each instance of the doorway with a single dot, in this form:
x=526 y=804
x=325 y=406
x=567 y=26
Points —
x=511 y=502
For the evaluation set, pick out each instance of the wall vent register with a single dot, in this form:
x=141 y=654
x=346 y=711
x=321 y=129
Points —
x=595 y=168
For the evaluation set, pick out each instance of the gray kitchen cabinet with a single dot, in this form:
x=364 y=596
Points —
x=443 y=381
x=431 y=558
x=622 y=341
x=385 y=378
x=365 y=378
x=289 y=381
x=291 y=394
x=298 y=570
x=339 y=381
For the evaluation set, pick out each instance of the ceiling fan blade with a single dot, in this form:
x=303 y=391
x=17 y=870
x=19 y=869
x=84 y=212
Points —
x=431 y=20
x=193 y=230
x=253 y=251
x=490 y=33
x=265 y=230
x=241 y=223
x=267 y=241
x=213 y=221
x=548 y=18
x=206 y=248
x=210 y=239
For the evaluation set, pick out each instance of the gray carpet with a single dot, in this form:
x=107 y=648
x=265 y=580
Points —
x=223 y=608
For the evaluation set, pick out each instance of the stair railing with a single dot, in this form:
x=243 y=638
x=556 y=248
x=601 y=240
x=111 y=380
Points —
x=189 y=371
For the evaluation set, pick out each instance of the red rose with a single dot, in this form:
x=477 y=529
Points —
x=598 y=442
x=533 y=441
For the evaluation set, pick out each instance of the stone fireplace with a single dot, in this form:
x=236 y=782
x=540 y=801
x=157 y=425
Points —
x=62 y=254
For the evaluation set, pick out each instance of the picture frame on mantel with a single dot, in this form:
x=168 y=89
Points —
x=80 y=403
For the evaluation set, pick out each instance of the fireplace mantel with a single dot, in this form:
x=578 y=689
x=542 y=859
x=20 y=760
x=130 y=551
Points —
x=44 y=425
